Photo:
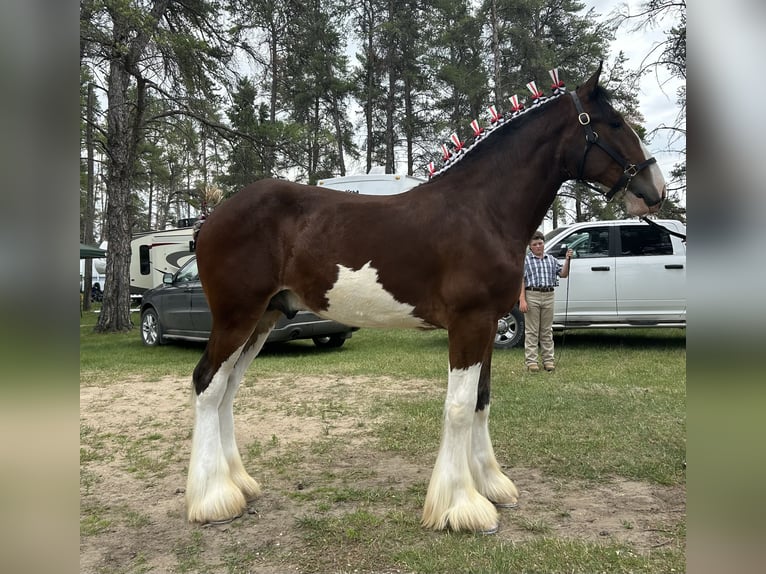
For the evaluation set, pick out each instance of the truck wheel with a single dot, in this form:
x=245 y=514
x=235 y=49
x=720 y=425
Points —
x=510 y=330
x=151 y=330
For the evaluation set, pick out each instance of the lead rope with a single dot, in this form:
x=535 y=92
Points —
x=566 y=311
x=653 y=223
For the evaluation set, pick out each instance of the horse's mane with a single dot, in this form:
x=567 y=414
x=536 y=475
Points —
x=602 y=98
x=601 y=93
x=476 y=147
x=511 y=121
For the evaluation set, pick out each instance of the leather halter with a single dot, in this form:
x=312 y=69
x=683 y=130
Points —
x=629 y=170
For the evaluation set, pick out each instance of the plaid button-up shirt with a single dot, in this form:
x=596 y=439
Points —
x=541 y=272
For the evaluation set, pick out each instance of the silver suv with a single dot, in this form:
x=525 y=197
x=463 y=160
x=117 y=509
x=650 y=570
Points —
x=624 y=273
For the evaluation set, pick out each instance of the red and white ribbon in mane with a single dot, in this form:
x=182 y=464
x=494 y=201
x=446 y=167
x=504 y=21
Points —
x=450 y=157
x=477 y=130
x=494 y=117
x=537 y=95
x=516 y=107
x=456 y=140
x=557 y=86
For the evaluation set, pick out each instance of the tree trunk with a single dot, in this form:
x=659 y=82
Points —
x=368 y=103
x=390 y=106
x=493 y=22
x=270 y=153
x=115 y=311
x=151 y=199
x=338 y=134
x=123 y=125
x=90 y=208
x=409 y=122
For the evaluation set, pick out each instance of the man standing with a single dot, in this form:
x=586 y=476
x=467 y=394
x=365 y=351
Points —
x=541 y=275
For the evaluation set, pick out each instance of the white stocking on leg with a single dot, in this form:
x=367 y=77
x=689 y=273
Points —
x=246 y=483
x=487 y=475
x=211 y=494
x=452 y=499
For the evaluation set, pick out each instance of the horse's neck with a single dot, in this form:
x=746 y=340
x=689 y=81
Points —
x=515 y=178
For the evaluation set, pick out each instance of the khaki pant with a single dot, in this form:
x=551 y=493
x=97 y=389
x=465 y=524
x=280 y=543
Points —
x=538 y=327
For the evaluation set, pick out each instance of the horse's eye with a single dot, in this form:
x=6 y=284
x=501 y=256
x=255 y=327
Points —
x=615 y=125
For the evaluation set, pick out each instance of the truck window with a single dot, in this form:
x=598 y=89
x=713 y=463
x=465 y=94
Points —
x=586 y=243
x=144 y=263
x=644 y=240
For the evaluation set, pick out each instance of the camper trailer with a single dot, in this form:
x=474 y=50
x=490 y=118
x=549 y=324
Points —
x=154 y=253
x=372 y=183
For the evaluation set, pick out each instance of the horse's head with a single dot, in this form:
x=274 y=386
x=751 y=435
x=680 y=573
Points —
x=612 y=154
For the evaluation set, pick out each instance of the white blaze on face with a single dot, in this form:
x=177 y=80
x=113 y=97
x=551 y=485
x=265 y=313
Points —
x=654 y=170
x=635 y=205
x=358 y=299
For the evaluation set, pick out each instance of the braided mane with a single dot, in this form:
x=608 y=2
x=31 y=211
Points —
x=499 y=122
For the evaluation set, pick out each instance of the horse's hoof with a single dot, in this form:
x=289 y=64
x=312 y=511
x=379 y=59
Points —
x=490 y=531
x=506 y=504
x=224 y=521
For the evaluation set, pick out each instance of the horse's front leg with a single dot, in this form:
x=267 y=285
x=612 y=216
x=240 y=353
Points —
x=452 y=500
x=489 y=478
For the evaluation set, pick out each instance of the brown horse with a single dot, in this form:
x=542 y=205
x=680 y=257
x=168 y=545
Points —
x=447 y=254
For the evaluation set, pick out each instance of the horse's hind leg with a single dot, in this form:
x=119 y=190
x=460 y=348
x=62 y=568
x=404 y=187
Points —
x=247 y=484
x=211 y=495
x=487 y=475
x=217 y=485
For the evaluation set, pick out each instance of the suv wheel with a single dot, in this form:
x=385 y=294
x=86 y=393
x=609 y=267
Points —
x=151 y=330
x=510 y=330
x=329 y=341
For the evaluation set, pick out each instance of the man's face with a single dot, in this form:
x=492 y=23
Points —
x=537 y=246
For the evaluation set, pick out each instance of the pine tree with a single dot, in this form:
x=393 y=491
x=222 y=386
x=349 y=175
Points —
x=169 y=48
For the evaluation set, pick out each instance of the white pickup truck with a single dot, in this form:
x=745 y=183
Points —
x=624 y=273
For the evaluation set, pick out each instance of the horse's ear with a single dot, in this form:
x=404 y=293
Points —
x=592 y=82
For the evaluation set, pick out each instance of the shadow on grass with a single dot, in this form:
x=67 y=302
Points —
x=364 y=340
x=648 y=338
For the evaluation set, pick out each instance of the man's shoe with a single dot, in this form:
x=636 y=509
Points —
x=533 y=368
x=550 y=367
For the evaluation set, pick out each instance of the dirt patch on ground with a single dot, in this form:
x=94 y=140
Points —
x=135 y=438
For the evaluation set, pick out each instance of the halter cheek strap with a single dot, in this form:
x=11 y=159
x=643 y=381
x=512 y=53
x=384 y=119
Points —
x=629 y=170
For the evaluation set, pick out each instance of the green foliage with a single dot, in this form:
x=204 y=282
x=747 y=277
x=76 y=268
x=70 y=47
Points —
x=457 y=58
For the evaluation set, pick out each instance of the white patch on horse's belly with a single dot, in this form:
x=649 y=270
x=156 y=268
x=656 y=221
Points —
x=358 y=299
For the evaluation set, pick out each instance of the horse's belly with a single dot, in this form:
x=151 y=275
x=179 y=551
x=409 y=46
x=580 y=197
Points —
x=358 y=299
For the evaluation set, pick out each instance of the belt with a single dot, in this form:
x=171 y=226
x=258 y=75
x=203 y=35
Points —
x=541 y=289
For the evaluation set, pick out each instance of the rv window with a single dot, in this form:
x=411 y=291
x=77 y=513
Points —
x=145 y=265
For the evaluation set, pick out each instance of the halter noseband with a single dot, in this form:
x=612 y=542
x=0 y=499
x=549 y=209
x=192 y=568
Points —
x=629 y=170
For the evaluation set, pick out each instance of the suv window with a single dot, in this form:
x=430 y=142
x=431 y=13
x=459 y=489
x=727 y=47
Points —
x=593 y=242
x=188 y=273
x=644 y=240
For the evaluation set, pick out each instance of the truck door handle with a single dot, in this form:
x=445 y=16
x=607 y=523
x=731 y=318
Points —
x=674 y=266
x=600 y=268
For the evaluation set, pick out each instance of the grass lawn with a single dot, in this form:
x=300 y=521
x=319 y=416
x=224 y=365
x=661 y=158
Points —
x=612 y=416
